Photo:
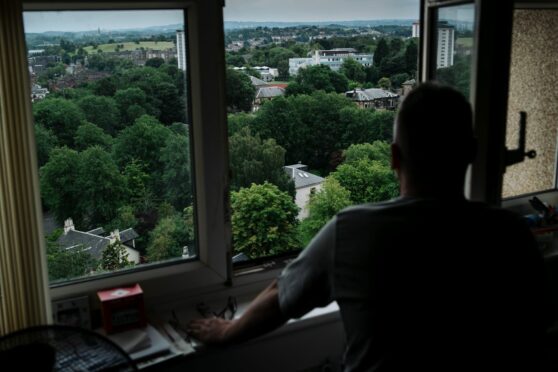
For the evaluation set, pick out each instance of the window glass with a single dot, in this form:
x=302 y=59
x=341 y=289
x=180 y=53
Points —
x=113 y=138
x=532 y=75
x=454 y=46
x=311 y=100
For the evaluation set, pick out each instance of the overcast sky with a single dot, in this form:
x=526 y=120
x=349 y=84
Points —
x=235 y=10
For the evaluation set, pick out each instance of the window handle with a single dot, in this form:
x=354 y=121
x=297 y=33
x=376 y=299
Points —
x=518 y=155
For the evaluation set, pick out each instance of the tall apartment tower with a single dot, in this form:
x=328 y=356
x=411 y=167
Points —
x=446 y=45
x=416 y=29
x=181 y=49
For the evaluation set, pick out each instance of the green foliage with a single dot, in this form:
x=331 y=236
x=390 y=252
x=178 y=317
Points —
x=367 y=181
x=381 y=52
x=143 y=142
x=398 y=79
x=240 y=91
x=137 y=185
x=88 y=135
x=323 y=205
x=411 y=56
x=59 y=189
x=125 y=219
x=378 y=151
x=263 y=220
x=237 y=122
x=102 y=111
x=255 y=161
x=154 y=62
x=384 y=83
x=51 y=73
x=132 y=103
x=60 y=116
x=114 y=257
x=353 y=70
x=176 y=179
x=169 y=237
x=458 y=75
x=46 y=141
x=321 y=77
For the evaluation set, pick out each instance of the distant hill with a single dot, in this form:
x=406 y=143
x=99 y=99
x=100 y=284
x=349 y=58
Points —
x=231 y=25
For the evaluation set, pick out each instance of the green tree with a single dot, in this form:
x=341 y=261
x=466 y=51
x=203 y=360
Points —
x=411 y=56
x=255 y=161
x=137 y=185
x=46 y=141
x=323 y=205
x=170 y=103
x=384 y=83
x=263 y=221
x=381 y=52
x=143 y=142
x=64 y=264
x=175 y=157
x=321 y=77
x=237 y=122
x=125 y=219
x=378 y=151
x=88 y=135
x=372 y=74
x=60 y=116
x=114 y=257
x=398 y=79
x=102 y=187
x=102 y=111
x=353 y=70
x=155 y=62
x=132 y=103
x=367 y=181
x=168 y=238
x=240 y=91
x=59 y=189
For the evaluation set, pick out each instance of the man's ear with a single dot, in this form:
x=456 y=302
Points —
x=395 y=156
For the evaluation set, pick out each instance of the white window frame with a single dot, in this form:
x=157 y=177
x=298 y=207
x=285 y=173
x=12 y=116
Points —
x=204 y=25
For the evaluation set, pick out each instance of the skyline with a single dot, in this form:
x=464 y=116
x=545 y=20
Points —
x=234 y=11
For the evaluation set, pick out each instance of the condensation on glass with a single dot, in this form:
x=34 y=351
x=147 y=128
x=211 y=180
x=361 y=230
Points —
x=534 y=63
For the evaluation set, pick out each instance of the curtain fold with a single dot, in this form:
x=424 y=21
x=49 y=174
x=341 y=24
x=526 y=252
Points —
x=24 y=294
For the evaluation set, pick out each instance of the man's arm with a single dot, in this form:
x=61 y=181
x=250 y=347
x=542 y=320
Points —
x=262 y=315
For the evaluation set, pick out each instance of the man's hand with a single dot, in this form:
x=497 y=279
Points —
x=210 y=330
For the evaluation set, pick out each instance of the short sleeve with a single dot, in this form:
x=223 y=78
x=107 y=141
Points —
x=306 y=282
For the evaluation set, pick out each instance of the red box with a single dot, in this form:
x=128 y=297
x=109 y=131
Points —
x=122 y=308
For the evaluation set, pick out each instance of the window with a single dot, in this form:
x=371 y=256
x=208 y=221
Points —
x=314 y=147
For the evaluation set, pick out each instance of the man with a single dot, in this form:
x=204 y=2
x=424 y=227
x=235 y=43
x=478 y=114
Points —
x=429 y=281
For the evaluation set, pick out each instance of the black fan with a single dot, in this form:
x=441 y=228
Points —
x=61 y=348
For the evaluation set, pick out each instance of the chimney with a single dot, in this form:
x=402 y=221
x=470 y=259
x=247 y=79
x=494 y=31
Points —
x=114 y=236
x=68 y=225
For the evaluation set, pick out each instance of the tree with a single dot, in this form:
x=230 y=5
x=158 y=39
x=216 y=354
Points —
x=125 y=219
x=254 y=160
x=132 y=103
x=155 y=62
x=240 y=91
x=168 y=238
x=114 y=257
x=46 y=141
x=378 y=151
x=59 y=189
x=353 y=70
x=237 y=122
x=384 y=83
x=102 y=187
x=367 y=181
x=411 y=56
x=143 y=142
x=177 y=183
x=322 y=206
x=372 y=74
x=64 y=264
x=393 y=65
x=263 y=221
x=170 y=103
x=88 y=135
x=60 y=116
x=102 y=111
x=398 y=79
x=321 y=77
x=137 y=185
x=381 y=52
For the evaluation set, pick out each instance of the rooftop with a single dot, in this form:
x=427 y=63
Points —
x=301 y=177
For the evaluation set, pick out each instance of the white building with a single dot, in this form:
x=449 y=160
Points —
x=305 y=184
x=181 y=49
x=446 y=45
x=416 y=29
x=332 y=58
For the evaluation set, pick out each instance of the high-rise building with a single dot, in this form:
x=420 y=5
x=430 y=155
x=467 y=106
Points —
x=446 y=45
x=416 y=29
x=181 y=49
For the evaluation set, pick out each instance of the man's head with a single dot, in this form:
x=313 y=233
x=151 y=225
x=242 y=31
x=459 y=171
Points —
x=433 y=136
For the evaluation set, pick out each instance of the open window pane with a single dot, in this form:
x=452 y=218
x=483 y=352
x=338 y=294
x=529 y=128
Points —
x=454 y=46
x=311 y=106
x=113 y=138
x=532 y=75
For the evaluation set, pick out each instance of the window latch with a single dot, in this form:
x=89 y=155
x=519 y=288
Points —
x=518 y=155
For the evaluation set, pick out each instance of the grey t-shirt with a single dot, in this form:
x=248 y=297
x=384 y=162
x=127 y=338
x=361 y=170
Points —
x=416 y=278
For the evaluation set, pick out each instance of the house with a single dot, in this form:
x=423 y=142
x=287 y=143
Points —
x=374 y=98
x=38 y=93
x=264 y=92
x=95 y=241
x=306 y=184
x=407 y=86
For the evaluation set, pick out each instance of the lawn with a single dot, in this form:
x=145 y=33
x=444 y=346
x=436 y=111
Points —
x=465 y=42
x=154 y=45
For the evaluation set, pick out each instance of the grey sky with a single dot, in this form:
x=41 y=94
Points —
x=92 y=20
x=319 y=10
x=235 y=10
